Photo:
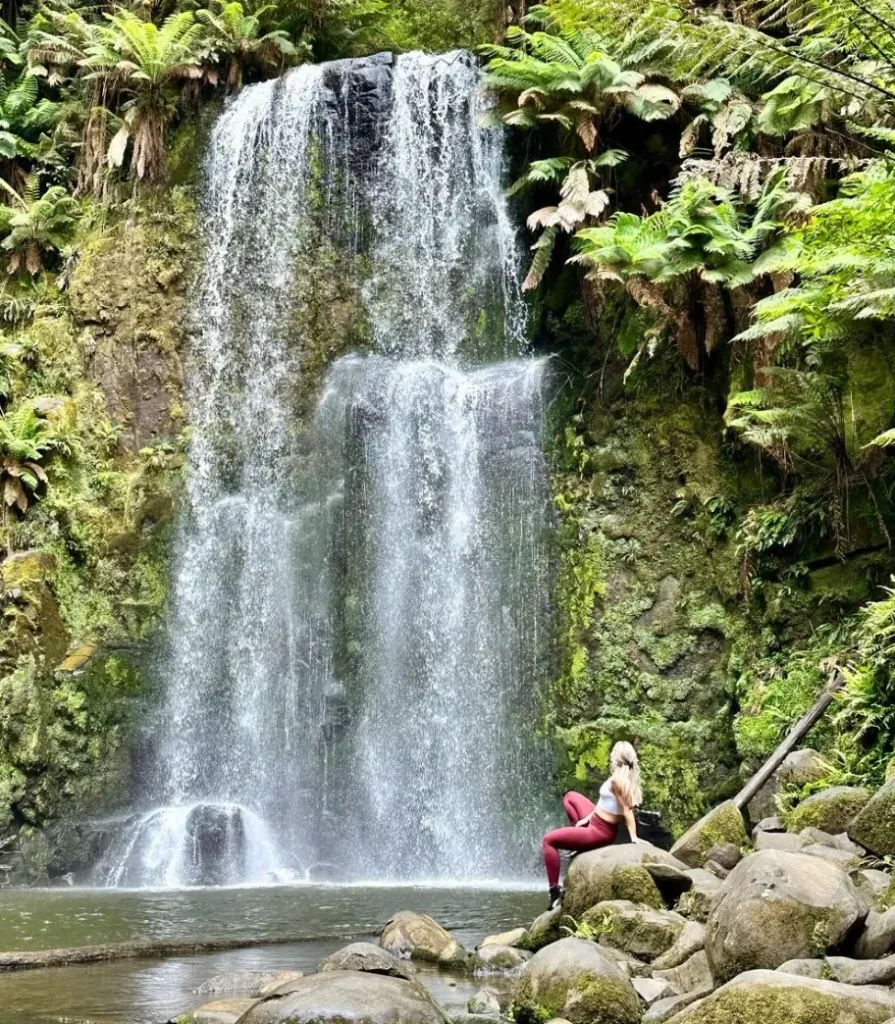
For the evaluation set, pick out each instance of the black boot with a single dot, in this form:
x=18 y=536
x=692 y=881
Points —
x=555 y=897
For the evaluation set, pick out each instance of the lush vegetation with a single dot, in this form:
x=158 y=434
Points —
x=709 y=193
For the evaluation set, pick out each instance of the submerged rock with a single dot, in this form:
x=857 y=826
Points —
x=576 y=980
x=779 y=906
x=769 y=997
x=419 y=937
x=484 y=1001
x=356 y=996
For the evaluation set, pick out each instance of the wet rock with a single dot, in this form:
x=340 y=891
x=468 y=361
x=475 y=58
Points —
x=246 y=983
x=510 y=938
x=421 y=938
x=543 y=930
x=874 y=826
x=340 y=996
x=641 y=931
x=797 y=770
x=366 y=956
x=576 y=980
x=614 y=873
x=691 y=940
x=778 y=906
x=484 y=1001
x=359 y=92
x=769 y=997
x=727 y=855
x=692 y=976
x=833 y=810
x=723 y=824
x=652 y=990
x=502 y=958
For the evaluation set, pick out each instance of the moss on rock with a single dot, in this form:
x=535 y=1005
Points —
x=723 y=824
x=832 y=810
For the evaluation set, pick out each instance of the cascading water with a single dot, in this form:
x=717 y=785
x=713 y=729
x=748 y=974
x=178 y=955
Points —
x=358 y=615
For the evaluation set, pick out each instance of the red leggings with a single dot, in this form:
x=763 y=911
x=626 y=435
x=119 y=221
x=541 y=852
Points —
x=587 y=837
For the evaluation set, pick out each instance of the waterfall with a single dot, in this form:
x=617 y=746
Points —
x=357 y=628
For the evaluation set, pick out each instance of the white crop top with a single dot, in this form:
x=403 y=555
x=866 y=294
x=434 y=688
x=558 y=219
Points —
x=608 y=800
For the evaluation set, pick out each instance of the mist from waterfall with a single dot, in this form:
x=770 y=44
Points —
x=358 y=619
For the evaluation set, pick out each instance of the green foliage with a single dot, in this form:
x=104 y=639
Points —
x=40 y=223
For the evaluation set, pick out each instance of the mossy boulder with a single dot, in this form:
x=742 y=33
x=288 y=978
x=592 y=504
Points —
x=545 y=928
x=341 y=996
x=421 y=938
x=724 y=824
x=874 y=826
x=642 y=931
x=777 y=906
x=615 y=873
x=576 y=980
x=768 y=997
x=833 y=810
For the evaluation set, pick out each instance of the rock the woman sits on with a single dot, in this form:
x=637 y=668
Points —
x=594 y=826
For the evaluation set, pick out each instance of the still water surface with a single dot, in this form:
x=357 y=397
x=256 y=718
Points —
x=316 y=919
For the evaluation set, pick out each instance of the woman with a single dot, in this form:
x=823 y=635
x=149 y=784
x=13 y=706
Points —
x=593 y=827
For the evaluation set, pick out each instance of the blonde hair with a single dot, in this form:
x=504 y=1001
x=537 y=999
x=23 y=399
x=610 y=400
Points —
x=625 y=769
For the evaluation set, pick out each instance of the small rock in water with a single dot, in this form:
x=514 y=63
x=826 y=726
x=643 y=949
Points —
x=420 y=937
x=484 y=1001
x=221 y=1011
x=510 y=938
x=366 y=956
x=502 y=958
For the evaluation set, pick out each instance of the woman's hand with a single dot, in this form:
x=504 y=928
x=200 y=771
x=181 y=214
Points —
x=583 y=822
x=641 y=842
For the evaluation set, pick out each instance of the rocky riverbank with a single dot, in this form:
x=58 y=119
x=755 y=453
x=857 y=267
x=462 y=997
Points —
x=791 y=924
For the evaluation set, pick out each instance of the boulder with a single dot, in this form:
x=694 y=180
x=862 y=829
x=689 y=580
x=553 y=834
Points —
x=697 y=901
x=693 y=976
x=641 y=931
x=862 y=972
x=614 y=873
x=576 y=980
x=723 y=824
x=804 y=968
x=502 y=958
x=484 y=1001
x=691 y=940
x=366 y=956
x=833 y=810
x=421 y=938
x=633 y=967
x=798 y=769
x=510 y=938
x=841 y=858
x=779 y=841
x=665 y=1009
x=872 y=881
x=652 y=990
x=340 y=996
x=543 y=930
x=772 y=824
x=878 y=936
x=220 y=1011
x=769 y=997
x=714 y=868
x=817 y=837
x=779 y=906
x=246 y=983
x=672 y=882
x=727 y=855
x=874 y=826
